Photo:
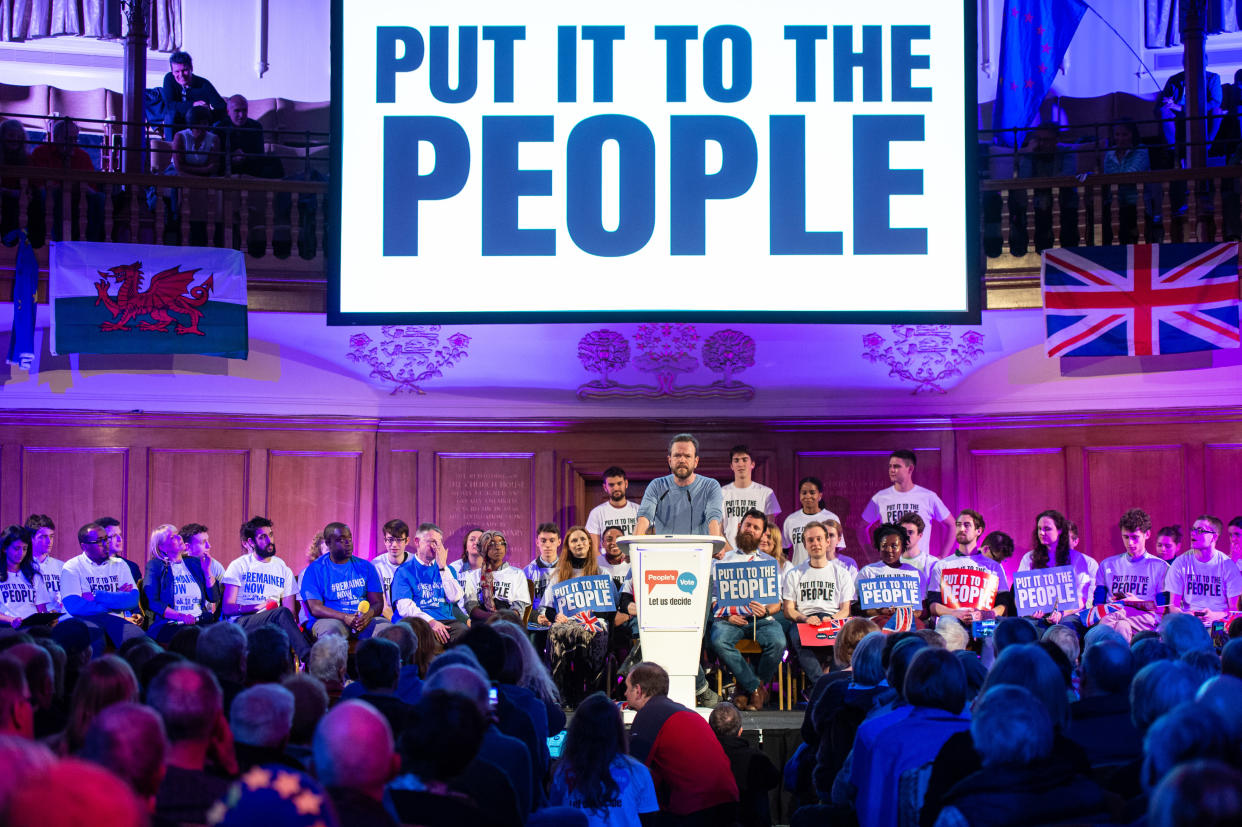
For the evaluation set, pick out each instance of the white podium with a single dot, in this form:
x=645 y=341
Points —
x=672 y=582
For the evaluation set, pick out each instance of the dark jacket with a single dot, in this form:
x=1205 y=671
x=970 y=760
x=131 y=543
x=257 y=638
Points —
x=178 y=101
x=1046 y=793
x=157 y=586
x=755 y=775
x=1102 y=727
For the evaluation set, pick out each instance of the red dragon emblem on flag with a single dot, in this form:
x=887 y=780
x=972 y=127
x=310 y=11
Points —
x=166 y=294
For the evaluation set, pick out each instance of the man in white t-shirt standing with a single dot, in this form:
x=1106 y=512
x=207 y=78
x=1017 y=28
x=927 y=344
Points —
x=616 y=511
x=904 y=497
x=744 y=494
x=259 y=587
x=1204 y=581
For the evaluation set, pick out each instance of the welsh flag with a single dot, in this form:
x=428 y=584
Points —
x=137 y=298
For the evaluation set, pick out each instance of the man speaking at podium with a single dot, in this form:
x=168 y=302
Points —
x=682 y=502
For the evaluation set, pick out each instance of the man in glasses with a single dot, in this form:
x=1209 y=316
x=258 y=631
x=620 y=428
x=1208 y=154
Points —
x=1204 y=582
x=98 y=589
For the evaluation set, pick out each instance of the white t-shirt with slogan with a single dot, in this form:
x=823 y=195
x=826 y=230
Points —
x=737 y=501
x=187 y=596
x=258 y=581
x=1205 y=586
x=818 y=591
x=81 y=576
x=795 y=524
x=889 y=505
x=604 y=516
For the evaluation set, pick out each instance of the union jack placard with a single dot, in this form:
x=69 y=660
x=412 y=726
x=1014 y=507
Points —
x=1140 y=299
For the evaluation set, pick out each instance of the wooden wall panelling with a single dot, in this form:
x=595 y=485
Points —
x=487 y=490
x=396 y=488
x=1222 y=496
x=1151 y=477
x=306 y=490
x=73 y=486
x=1010 y=486
x=206 y=486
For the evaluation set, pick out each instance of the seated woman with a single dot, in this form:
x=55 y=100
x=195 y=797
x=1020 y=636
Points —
x=175 y=591
x=496 y=585
x=1127 y=155
x=817 y=590
x=577 y=640
x=22 y=592
x=892 y=541
x=1051 y=542
x=196 y=153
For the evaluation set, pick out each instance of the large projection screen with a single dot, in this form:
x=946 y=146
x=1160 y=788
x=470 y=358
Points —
x=786 y=161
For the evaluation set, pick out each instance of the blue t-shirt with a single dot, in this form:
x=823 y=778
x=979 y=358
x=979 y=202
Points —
x=635 y=795
x=675 y=509
x=342 y=586
x=422 y=584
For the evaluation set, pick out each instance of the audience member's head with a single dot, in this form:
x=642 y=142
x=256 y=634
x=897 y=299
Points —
x=1011 y=631
x=310 y=703
x=262 y=716
x=956 y=638
x=222 y=648
x=21 y=758
x=138 y=654
x=854 y=630
x=976 y=673
x=105 y=681
x=128 y=739
x=1202 y=793
x=463 y=680
x=535 y=674
x=457 y=656
x=1182 y=734
x=353 y=749
x=187 y=697
x=84 y=793
x=1011 y=727
x=1223 y=694
x=1059 y=659
x=932 y=638
x=1100 y=633
x=645 y=681
x=868 y=661
x=1107 y=669
x=1149 y=650
x=488 y=647
x=428 y=644
x=40 y=673
x=1157 y=688
x=327 y=659
x=16 y=711
x=725 y=720
x=595 y=737
x=379 y=664
x=1185 y=633
x=403 y=636
x=1066 y=640
x=442 y=738
x=1231 y=659
x=269 y=658
x=156 y=665
x=1206 y=665
x=899 y=661
x=1029 y=666
x=936 y=679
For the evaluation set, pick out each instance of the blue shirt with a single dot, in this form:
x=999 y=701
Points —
x=341 y=587
x=422 y=584
x=675 y=509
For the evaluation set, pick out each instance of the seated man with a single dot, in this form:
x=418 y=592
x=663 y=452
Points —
x=98 y=589
x=1171 y=108
x=425 y=586
x=335 y=586
x=259 y=587
x=183 y=90
x=755 y=620
x=1044 y=157
x=1204 y=581
x=63 y=152
x=242 y=140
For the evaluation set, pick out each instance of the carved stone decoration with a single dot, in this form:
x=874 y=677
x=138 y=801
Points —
x=929 y=355
x=666 y=350
x=408 y=355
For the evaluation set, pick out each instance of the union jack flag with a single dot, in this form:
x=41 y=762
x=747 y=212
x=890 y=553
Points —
x=1140 y=299
x=901 y=621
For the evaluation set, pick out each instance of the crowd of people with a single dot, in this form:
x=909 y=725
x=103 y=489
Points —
x=415 y=688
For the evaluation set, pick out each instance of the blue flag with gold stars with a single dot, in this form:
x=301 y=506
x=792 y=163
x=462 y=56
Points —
x=25 y=285
x=1034 y=38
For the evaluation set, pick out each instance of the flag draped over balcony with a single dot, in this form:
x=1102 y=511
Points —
x=1140 y=299
x=134 y=298
x=1034 y=38
x=25 y=285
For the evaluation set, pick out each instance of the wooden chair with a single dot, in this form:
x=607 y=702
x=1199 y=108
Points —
x=749 y=646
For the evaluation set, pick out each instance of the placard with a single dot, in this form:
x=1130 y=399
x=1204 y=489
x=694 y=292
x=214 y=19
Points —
x=1045 y=590
x=889 y=591
x=593 y=593
x=737 y=584
x=968 y=588
x=504 y=162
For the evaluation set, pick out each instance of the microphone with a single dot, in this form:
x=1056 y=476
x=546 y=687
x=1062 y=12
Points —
x=363 y=607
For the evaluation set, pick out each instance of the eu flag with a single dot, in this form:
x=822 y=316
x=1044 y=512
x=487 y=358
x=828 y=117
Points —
x=1034 y=38
x=25 y=284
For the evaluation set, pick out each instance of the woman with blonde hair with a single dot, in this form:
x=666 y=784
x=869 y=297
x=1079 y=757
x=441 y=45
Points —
x=577 y=640
x=174 y=591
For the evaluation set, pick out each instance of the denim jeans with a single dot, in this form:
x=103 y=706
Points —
x=725 y=636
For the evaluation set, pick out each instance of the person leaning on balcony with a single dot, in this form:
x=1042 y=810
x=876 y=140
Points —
x=1126 y=155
